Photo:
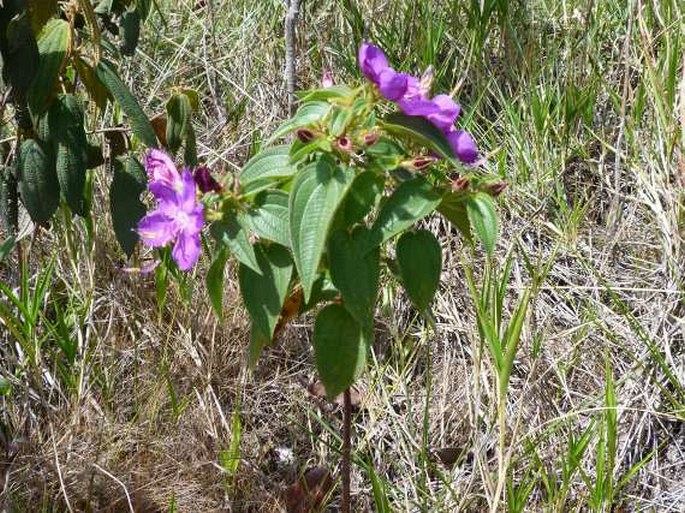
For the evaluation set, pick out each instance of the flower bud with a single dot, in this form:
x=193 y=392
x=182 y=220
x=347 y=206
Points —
x=460 y=183
x=205 y=181
x=344 y=143
x=419 y=163
x=370 y=138
x=327 y=79
x=495 y=188
x=305 y=135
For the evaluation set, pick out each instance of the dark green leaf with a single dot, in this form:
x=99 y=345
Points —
x=129 y=31
x=339 y=348
x=38 y=183
x=6 y=247
x=53 y=43
x=179 y=113
x=215 y=281
x=140 y=124
x=411 y=201
x=418 y=130
x=317 y=191
x=233 y=235
x=483 y=217
x=453 y=207
x=21 y=57
x=419 y=258
x=271 y=163
x=125 y=205
x=65 y=126
x=385 y=154
x=265 y=292
x=268 y=216
x=96 y=90
x=363 y=196
x=190 y=150
x=354 y=272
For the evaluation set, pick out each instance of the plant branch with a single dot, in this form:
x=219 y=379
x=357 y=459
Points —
x=346 y=451
x=290 y=22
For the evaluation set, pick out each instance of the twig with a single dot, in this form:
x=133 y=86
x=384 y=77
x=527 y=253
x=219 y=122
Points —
x=59 y=471
x=346 y=450
x=128 y=497
x=290 y=22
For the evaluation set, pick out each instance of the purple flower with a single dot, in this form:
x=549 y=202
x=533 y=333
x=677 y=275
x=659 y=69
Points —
x=327 y=79
x=205 y=181
x=463 y=145
x=375 y=67
x=178 y=217
x=412 y=96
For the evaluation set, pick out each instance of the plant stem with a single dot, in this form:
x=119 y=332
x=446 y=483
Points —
x=290 y=22
x=501 y=463
x=346 y=452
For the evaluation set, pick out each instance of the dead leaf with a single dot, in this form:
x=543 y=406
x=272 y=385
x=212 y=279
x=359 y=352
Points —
x=310 y=491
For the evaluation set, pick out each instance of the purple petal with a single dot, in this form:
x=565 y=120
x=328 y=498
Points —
x=157 y=229
x=186 y=251
x=463 y=145
x=160 y=167
x=187 y=194
x=414 y=89
x=417 y=107
x=193 y=221
x=446 y=113
x=372 y=61
x=391 y=84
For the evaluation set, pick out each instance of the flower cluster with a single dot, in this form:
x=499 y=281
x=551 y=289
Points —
x=412 y=97
x=179 y=216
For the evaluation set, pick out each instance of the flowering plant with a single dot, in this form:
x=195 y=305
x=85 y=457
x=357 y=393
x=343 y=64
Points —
x=309 y=221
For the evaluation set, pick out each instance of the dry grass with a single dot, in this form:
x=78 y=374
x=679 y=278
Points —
x=593 y=213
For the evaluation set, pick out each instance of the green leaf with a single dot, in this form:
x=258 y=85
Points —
x=317 y=191
x=339 y=349
x=336 y=92
x=411 y=201
x=419 y=130
x=215 y=281
x=179 y=113
x=265 y=292
x=481 y=212
x=355 y=273
x=38 y=183
x=258 y=341
x=129 y=31
x=140 y=124
x=419 y=258
x=340 y=119
x=308 y=114
x=363 y=196
x=234 y=236
x=96 y=90
x=385 y=155
x=21 y=57
x=143 y=7
x=453 y=208
x=190 y=150
x=53 y=43
x=272 y=162
x=268 y=217
x=124 y=201
x=65 y=126
x=6 y=247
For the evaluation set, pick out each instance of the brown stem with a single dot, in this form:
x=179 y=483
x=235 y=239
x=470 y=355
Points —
x=346 y=452
x=290 y=77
